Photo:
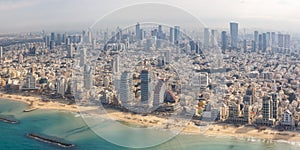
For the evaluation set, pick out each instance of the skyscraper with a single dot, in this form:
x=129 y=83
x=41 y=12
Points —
x=70 y=50
x=94 y=44
x=116 y=65
x=245 y=45
x=125 y=88
x=52 y=45
x=47 y=41
x=264 y=42
x=58 y=39
x=30 y=80
x=82 y=57
x=61 y=86
x=138 y=32
x=266 y=108
x=89 y=38
x=273 y=39
x=286 y=42
x=87 y=77
x=250 y=95
x=206 y=38
x=260 y=42
x=52 y=36
x=146 y=86
x=275 y=103
x=256 y=40
x=253 y=46
x=234 y=33
x=176 y=34
x=280 y=40
x=224 y=40
x=171 y=38
x=213 y=39
x=159 y=93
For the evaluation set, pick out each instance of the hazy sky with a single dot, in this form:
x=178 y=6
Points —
x=36 y=15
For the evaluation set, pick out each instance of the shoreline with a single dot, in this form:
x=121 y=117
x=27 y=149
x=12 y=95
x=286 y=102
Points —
x=37 y=103
x=218 y=130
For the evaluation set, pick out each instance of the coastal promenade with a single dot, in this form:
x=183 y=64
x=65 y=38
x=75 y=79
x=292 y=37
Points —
x=215 y=129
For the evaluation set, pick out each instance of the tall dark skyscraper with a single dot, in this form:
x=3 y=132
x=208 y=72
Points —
x=52 y=36
x=176 y=34
x=146 y=85
x=260 y=42
x=275 y=100
x=264 y=42
x=224 y=40
x=234 y=33
x=138 y=32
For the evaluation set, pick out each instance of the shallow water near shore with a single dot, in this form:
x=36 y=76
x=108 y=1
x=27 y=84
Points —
x=72 y=128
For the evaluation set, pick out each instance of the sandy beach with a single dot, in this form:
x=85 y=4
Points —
x=154 y=121
x=37 y=103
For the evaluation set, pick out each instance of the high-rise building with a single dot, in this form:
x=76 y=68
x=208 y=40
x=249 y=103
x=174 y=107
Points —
x=260 y=42
x=234 y=33
x=268 y=34
x=116 y=65
x=146 y=86
x=89 y=38
x=30 y=82
x=171 y=38
x=47 y=41
x=82 y=57
x=176 y=34
x=61 y=86
x=280 y=40
x=250 y=96
x=267 y=108
x=52 y=45
x=94 y=44
x=58 y=39
x=264 y=42
x=245 y=45
x=275 y=103
x=126 y=94
x=138 y=32
x=224 y=40
x=159 y=93
x=52 y=37
x=87 y=77
x=286 y=43
x=255 y=38
x=253 y=46
x=273 y=39
x=213 y=39
x=206 y=38
x=70 y=50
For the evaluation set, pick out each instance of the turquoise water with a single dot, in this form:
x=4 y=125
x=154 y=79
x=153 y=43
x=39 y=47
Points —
x=73 y=129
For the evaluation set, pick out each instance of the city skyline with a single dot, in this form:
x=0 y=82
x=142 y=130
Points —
x=36 y=15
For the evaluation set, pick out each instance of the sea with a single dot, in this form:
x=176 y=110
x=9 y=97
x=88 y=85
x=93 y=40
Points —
x=72 y=128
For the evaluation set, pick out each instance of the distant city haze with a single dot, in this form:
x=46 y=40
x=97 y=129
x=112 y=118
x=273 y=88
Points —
x=68 y=15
